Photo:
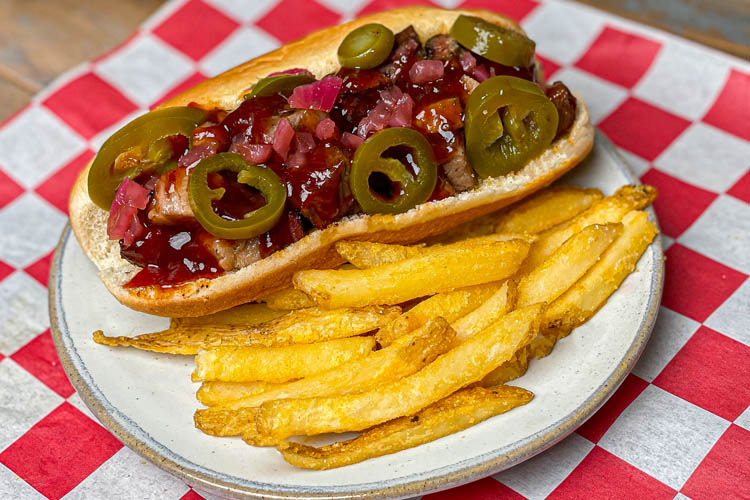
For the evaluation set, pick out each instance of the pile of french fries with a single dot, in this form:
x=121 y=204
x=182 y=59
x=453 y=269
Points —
x=407 y=344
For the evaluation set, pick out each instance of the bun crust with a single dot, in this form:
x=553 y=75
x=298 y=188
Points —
x=317 y=52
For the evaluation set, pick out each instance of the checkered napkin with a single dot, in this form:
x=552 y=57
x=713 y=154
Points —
x=679 y=427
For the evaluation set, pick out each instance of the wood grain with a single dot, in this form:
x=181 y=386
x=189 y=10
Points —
x=40 y=39
x=721 y=24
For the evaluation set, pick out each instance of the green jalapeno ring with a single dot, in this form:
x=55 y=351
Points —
x=368 y=159
x=508 y=122
x=366 y=47
x=142 y=132
x=254 y=223
x=279 y=84
x=501 y=45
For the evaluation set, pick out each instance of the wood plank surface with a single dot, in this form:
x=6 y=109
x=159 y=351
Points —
x=39 y=39
x=721 y=24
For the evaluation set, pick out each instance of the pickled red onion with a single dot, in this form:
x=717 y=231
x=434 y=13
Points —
x=320 y=95
x=123 y=223
x=425 y=71
x=282 y=137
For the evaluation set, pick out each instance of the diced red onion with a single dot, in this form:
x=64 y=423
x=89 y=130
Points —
x=303 y=142
x=402 y=111
x=252 y=153
x=296 y=160
x=282 y=137
x=320 y=95
x=376 y=120
x=196 y=154
x=394 y=109
x=292 y=71
x=468 y=62
x=425 y=71
x=326 y=129
x=351 y=141
x=123 y=223
x=480 y=73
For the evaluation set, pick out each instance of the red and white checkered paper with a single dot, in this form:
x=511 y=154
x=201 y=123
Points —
x=679 y=427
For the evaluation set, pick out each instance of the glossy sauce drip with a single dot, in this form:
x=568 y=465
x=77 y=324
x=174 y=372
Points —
x=170 y=255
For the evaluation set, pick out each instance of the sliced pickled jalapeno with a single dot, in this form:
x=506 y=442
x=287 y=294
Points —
x=366 y=46
x=503 y=46
x=368 y=159
x=279 y=84
x=508 y=122
x=252 y=224
x=144 y=134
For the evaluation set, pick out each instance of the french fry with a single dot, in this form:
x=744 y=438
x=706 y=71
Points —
x=556 y=274
x=364 y=254
x=289 y=299
x=532 y=215
x=223 y=423
x=277 y=364
x=510 y=370
x=594 y=288
x=454 y=413
x=448 y=305
x=582 y=300
x=407 y=355
x=605 y=211
x=463 y=365
x=440 y=270
x=245 y=315
x=304 y=326
x=217 y=393
x=494 y=308
x=546 y=209
x=481 y=226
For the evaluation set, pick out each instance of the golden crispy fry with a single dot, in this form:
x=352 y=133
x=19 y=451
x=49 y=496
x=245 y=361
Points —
x=296 y=327
x=289 y=299
x=494 y=308
x=605 y=211
x=456 y=412
x=532 y=215
x=545 y=209
x=245 y=315
x=557 y=273
x=510 y=370
x=218 y=422
x=440 y=270
x=465 y=364
x=582 y=300
x=448 y=305
x=481 y=226
x=277 y=364
x=364 y=254
x=217 y=393
x=407 y=355
x=576 y=305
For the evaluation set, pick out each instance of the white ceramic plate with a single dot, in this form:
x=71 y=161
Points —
x=147 y=399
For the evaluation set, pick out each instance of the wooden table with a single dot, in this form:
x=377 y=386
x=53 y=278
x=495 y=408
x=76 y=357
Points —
x=40 y=39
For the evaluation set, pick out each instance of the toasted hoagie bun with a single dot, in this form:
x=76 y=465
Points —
x=318 y=53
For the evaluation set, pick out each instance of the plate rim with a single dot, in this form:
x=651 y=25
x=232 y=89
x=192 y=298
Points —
x=219 y=483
